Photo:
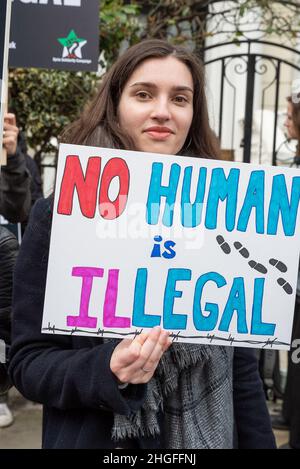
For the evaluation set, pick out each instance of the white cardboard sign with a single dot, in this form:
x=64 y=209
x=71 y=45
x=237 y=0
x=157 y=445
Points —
x=206 y=249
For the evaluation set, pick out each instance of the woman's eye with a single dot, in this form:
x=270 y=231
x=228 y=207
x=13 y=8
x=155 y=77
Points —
x=143 y=95
x=180 y=99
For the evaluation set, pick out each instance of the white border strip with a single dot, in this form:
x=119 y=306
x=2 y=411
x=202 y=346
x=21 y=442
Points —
x=3 y=96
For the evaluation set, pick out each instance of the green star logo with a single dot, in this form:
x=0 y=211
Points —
x=72 y=45
x=70 y=40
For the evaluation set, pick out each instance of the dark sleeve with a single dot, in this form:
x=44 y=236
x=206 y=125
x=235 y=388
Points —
x=253 y=426
x=15 y=197
x=8 y=254
x=36 y=181
x=45 y=367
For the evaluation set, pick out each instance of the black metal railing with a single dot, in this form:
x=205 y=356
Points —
x=252 y=63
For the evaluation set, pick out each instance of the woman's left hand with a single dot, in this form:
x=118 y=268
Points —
x=135 y=361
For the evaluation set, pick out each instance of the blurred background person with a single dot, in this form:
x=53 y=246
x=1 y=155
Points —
x=15 y=204
x=36 y=188
x=15 y=196
x=290 y=418
x=8 y=254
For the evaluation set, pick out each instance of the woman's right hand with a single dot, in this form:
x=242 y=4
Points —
x=10 y=134
x=135 y=361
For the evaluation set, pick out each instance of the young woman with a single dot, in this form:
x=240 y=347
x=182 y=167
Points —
x=15 y=205
x=144 y=392
x=291 y=405
x=292 y=122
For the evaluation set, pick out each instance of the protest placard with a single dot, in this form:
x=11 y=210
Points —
x=5 y=15
x=206 y=249
x=55 y=34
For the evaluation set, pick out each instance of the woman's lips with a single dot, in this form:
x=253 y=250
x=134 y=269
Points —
x=159 y=133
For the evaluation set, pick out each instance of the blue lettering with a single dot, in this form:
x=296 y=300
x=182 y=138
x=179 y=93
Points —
x=222 y=188
x=257 y=326
x=171 y=320
x=279 y=204
x=169 y=253
x=255 y=198
x=191 y=214
x=156 y=248
x=139 y=318
x=236 y=302
x=157 y=191
x=206 y=323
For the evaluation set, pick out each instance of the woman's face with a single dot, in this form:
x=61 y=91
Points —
x=156 y=105
x=289 y=123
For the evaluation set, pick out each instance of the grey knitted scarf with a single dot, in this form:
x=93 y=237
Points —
x=192 y=387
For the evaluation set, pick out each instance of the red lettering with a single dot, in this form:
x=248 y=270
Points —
x=116 y=167
x=86 y=186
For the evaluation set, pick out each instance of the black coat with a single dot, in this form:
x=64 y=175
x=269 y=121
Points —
x=15 y=197
x=291 y=402
x=71 y=376
x=8 y=254
x=36 y=186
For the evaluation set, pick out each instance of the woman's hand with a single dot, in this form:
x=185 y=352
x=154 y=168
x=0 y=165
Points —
x=135 y=361
x=10 y=134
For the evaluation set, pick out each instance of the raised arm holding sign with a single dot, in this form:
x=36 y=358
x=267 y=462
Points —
x=15 y=196
x=177 y=269
x=15 y=199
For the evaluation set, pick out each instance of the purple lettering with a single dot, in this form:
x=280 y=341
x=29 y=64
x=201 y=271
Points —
x=84 y=320
x=109 y=311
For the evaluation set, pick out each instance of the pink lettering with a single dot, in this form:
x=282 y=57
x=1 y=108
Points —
x=109 y=312
x=84 y=320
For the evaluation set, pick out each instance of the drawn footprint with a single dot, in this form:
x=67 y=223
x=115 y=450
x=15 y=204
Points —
x=285 y=285
x=259 y=267
x=223 y=244
x=253 y=264
x=278 y=264
x=243 y=251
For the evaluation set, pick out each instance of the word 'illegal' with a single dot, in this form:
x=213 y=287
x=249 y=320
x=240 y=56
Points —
x=206 y=318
